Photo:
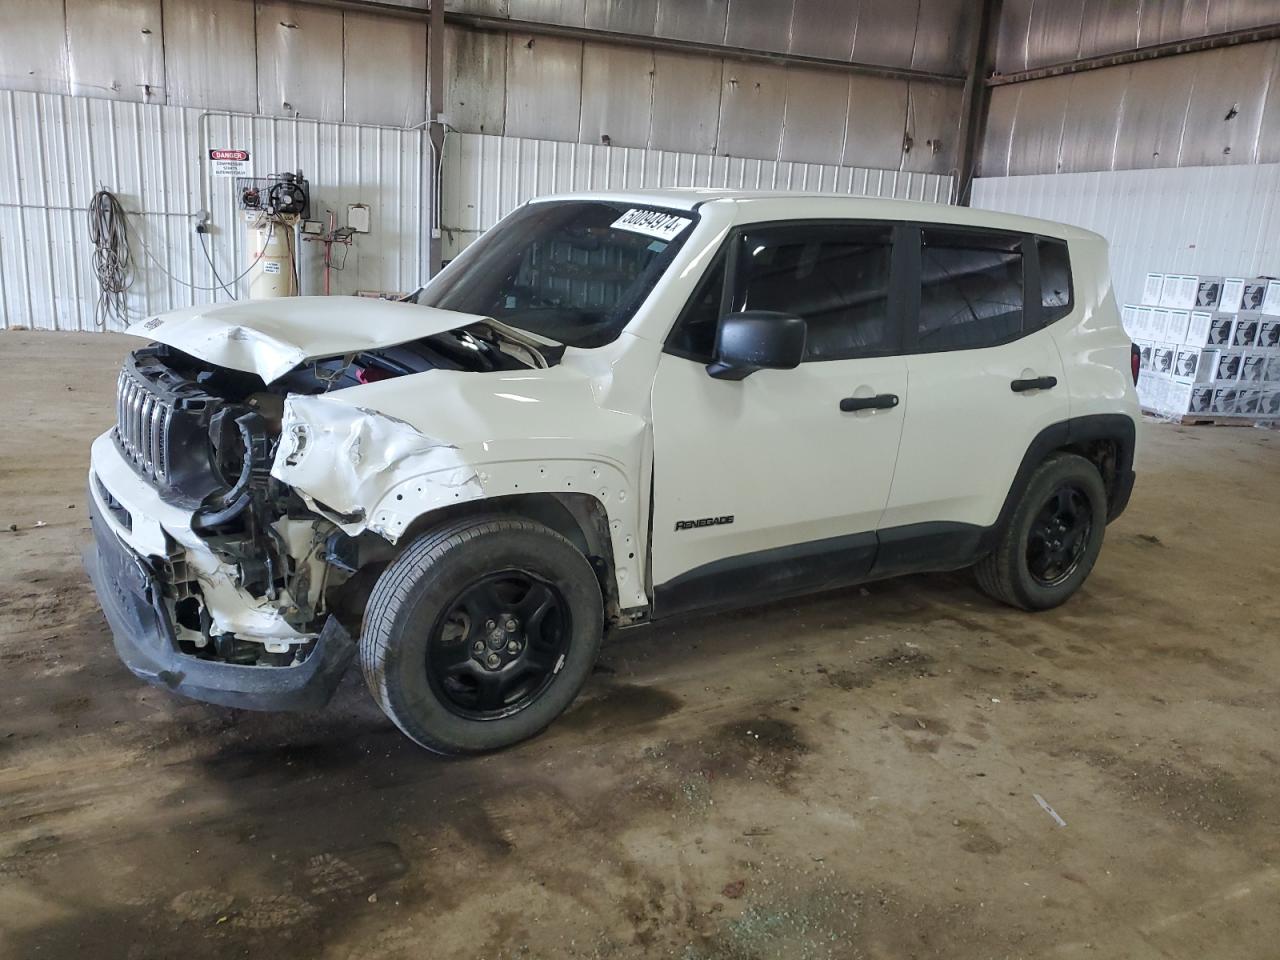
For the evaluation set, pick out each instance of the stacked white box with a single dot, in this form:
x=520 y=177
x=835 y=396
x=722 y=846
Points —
x=1245 y=332
x=1232 y=295
x=1177 y=325
x=1208 y=345
x=1194 y=364
x=1152 y=289
x=1255 y=294
x=1271 y=302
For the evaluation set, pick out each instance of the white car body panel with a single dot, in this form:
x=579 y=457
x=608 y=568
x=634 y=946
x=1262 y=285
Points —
x=272 y=337
x=1093 y=345
x=773 y=450
x=964 y=427
x=479 y=437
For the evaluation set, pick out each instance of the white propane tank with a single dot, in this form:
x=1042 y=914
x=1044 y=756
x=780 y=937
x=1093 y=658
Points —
x=272 y=270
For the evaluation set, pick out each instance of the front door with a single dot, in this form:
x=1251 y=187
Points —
x=772 y=485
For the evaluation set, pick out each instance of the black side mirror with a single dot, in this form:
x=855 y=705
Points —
x=757 y=340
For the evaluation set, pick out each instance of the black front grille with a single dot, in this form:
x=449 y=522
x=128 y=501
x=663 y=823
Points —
x=166 y=409
x=143 y=422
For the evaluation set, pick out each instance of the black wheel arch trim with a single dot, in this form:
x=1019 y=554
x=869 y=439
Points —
x=1116 y=427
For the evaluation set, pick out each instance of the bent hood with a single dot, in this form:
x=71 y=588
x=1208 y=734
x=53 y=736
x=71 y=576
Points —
x=271 y=337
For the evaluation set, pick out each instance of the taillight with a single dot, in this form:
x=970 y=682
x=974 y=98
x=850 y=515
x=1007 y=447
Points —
x=1135 y=361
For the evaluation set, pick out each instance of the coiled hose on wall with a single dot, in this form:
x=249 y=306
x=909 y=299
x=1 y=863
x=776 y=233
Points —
x=112 y=258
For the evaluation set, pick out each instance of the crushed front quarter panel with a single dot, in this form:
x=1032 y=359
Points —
x=379 y=456
x=345 y=459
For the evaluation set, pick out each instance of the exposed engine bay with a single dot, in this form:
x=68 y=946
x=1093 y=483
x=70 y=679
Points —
x=205 y=437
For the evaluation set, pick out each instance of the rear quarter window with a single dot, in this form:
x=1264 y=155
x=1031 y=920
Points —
x=1057 y=298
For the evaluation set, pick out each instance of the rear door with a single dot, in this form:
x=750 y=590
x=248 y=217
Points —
x=986 y=377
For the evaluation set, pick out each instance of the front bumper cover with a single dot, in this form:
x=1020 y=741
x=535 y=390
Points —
x=130 y=595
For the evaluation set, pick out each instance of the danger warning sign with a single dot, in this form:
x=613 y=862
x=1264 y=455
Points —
x=229 y=163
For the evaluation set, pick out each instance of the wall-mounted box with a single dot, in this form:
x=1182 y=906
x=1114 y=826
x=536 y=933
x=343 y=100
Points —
x=358 y=217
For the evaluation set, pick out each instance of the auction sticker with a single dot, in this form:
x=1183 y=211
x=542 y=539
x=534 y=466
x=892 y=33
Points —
x=652 y=223
x=229 y=163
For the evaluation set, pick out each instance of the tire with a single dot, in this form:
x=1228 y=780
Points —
x=1022 y=570
x=427 y=598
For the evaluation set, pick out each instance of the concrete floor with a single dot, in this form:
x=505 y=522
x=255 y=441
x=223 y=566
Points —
x=851 y=775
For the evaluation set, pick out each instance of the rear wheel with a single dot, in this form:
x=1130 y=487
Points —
x=481 y=633
x=1053 y=538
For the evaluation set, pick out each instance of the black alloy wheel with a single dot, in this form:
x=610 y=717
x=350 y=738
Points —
x=481 y=632
x=498 y=645
x=1058 y=536
x=1046 y=549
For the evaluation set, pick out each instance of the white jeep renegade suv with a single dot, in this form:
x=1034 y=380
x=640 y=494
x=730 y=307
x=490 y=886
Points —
x=611 y=408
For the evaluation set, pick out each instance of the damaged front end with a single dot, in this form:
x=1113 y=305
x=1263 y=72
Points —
x=221 y=578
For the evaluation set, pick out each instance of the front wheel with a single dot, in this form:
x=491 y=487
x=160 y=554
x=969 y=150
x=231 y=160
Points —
x=481 y=633
x=1053 y=538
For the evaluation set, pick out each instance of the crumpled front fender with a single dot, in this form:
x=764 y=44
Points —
x=347 y=461
x=366 y=470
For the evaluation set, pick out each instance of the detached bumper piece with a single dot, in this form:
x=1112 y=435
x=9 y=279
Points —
x=144 y=639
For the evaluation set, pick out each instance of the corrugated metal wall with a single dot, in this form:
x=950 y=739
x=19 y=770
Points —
x=304 y=60
x=58 y=150
x=922 y=34
x=486 y=177
x=1222 y=220
x=1037 y=33
x=1212 y=107
x=555 y=88
x=278 y=59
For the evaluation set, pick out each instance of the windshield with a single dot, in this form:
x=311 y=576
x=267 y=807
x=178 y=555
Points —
x=573 y=271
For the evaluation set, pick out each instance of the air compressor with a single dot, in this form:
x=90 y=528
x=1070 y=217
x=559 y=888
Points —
x=273 y=207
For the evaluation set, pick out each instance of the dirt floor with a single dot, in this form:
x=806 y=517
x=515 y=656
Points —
x=863 y=774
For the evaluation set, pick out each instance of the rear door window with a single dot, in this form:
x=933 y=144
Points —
x=971 y=289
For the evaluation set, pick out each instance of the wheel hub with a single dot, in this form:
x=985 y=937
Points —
x=502 y=646
x=499 y=644
x=1059 y=536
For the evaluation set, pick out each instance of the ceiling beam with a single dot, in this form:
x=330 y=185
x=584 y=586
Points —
x=536 y=28
x=1156 y=51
